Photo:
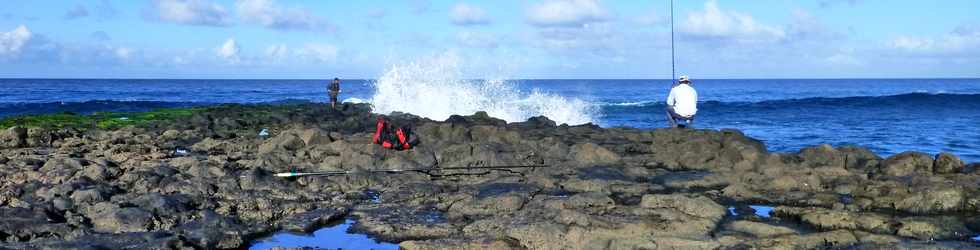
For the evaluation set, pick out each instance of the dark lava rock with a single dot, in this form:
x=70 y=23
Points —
x=309 y=221
x=110 y=218
x=214 y=231
x=23 y=225
x=597 y=188
x=147 y=240
x=947 y=163
x=907 y=163
x=13 y=137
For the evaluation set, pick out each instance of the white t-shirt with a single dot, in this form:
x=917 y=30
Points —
x=684 y=100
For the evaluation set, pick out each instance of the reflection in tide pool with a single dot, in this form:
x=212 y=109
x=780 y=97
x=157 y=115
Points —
x=333 y=237
x=762 y=211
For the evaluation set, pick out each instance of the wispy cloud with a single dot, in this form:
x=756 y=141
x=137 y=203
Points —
x=103 y=10
x=831 y=3
x=567 y=13
x=269 y=14
x=318 y=52
x=188 y=12
x=419 y=7
x=652 y=18
x=963 y=41
x=100 y=36
x=475 y=39
x=465 y=15
x=276 y=52
x=76 y=12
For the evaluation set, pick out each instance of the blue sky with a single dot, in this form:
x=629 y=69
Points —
x=506 y=38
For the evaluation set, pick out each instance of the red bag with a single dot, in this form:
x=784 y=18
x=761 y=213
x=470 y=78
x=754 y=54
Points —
x=392 y=138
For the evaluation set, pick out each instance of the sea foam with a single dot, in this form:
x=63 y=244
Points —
x=434 y=88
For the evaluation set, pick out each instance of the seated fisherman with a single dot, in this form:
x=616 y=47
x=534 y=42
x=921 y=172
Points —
x=682 y=102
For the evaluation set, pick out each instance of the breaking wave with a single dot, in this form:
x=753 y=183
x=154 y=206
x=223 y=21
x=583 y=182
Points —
x=434 y=88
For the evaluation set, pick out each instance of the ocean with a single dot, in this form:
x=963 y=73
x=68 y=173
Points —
x=888 y=116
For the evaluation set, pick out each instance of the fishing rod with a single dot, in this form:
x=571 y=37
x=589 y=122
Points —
x=347 y=172
x=673 y=74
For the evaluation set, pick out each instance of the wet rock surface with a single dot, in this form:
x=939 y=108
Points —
x=207 y=182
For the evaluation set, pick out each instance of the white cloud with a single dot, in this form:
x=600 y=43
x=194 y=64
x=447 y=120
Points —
x=962 y=41
x=24 y=46
x=124 y=53
x=179 y=60
x=715 y=23
x=574 y=29
x=477 y=39
x=566 y=13
x=12 y=42
x=465 y=15
x=913 y=43
x=276 y=52
x=190 y=12
x=318 y=52
x=229 y=51
x=269 y=14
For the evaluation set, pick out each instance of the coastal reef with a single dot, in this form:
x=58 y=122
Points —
x=205 y=180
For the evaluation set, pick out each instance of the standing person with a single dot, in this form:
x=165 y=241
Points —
x=682 y=102
x=334 y=89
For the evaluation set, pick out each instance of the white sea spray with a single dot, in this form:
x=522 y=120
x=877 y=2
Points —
x=434 y=88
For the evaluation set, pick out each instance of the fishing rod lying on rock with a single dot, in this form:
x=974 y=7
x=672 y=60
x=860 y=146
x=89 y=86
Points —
x=347 y=172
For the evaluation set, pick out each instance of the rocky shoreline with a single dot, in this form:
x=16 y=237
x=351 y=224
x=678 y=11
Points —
x=207 y=182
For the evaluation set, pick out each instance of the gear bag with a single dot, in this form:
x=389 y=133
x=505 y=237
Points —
x=391 y=137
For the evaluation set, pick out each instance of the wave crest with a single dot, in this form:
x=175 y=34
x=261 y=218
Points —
x=434 y=88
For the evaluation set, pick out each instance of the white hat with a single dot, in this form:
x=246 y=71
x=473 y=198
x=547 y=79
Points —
x=684 y=79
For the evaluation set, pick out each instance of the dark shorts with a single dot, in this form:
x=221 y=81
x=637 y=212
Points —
x=333 y=97
x=675 y=116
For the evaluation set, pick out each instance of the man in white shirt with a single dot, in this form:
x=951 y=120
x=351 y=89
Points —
x=682 y=102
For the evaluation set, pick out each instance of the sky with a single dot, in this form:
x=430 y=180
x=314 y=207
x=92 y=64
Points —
x=529 y=39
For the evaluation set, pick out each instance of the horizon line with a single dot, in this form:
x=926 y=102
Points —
x=510 y=79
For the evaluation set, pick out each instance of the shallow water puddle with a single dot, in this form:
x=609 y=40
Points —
x=762 y=211
x=331 y=237
x=180 y=152
x=374 y=195
x=433 y=217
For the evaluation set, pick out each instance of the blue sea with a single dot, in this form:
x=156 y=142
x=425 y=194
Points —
x=888 y=116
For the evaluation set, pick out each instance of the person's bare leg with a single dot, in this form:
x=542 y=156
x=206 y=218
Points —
x=670 y=119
